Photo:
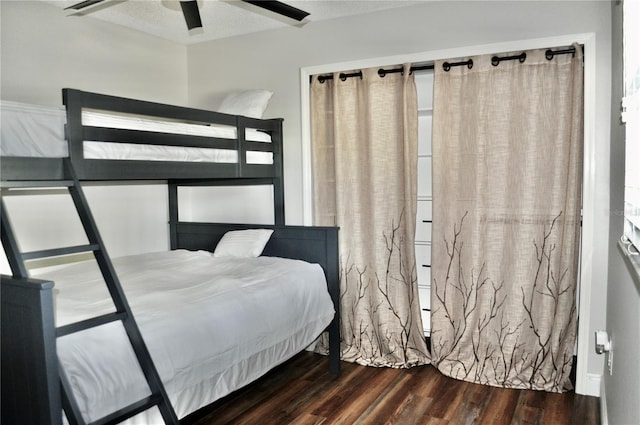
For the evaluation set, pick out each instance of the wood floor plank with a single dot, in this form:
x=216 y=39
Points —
x=531 y=408
x=557 y=408
x=339 y=395
x=303 y=392
x=388 y=401
x=500 y=406
x=431 y=381
x=428 y=420
x=447 y=399
x=585 y=411
x=274 y=409
x=472 y=402
x=308 y=419
x=413 y=412
x=361 y=397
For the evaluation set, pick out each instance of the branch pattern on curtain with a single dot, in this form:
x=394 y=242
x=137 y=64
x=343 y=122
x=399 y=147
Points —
x=507 y=173
x=364 y=153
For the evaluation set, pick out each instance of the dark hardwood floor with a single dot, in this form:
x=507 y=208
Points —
x=302 y=391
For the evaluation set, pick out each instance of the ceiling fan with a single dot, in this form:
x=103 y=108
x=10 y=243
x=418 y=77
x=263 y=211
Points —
x=191 y=11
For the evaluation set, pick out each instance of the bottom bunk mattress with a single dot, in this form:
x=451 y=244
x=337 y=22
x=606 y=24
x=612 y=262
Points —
x=212 y=325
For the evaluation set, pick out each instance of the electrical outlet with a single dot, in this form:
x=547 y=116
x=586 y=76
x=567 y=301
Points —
x=603 y=343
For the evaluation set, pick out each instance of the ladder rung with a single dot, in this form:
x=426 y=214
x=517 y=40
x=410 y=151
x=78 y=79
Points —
x=89 y=323
x=55 y=252
x=129 y=411
x=35 y=183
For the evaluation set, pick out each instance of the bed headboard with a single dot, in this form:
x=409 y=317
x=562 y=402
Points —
x=312 y=244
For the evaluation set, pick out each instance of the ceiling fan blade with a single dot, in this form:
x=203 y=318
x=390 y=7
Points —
x=191 y=14
x=280 y=8
x=83 y=4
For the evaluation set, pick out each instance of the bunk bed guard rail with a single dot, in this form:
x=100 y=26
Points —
x=77 y=133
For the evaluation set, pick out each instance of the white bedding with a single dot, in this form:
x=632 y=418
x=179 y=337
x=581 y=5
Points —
x=38 y=131
x=212 y=325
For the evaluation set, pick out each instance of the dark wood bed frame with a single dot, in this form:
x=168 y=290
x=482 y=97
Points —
x=30 y=377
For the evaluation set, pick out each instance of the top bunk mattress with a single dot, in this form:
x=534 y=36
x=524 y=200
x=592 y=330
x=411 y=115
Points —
x=38 y=131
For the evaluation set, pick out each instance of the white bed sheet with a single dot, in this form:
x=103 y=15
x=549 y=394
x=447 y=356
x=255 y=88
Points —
x=212 y=325
x=38 y=131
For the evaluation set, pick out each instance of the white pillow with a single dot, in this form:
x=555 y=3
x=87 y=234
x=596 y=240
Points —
x=248 y=103
x=243 y=243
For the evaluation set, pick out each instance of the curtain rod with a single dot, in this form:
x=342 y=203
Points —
x=381 y=72
x=495 y=61
x=549 y=54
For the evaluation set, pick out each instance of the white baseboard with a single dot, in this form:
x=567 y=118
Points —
x=593 y=384
x=604 y=417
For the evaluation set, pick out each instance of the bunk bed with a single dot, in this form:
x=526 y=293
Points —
x=112 y=138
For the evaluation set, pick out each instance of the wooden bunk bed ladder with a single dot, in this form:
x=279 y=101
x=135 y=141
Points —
x=123 y=312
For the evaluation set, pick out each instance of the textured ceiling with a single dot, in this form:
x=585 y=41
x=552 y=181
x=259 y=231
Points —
x=220 y=18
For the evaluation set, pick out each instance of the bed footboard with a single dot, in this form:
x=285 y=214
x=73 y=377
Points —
x=30 y=383
x=312 y=244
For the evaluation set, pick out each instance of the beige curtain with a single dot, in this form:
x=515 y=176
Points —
x=364 y=150
x=507 y=172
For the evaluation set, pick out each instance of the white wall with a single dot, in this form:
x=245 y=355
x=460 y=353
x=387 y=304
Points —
x=131 y=218
x=42 y=51
x=622 y=386
x=230 y=204
x=273 y=60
